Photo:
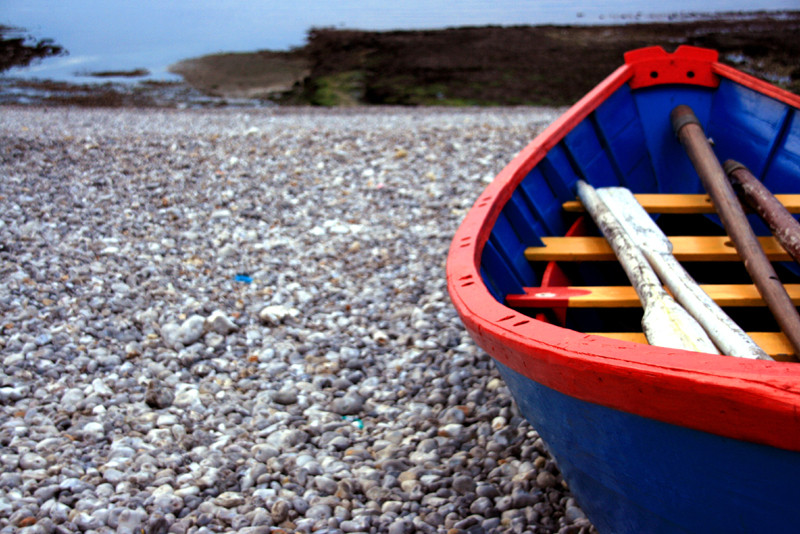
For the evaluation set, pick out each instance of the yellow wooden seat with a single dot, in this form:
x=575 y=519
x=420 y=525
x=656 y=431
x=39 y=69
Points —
x=685 y=248
x=773 y=343
x=681 y=203
x=725 y=295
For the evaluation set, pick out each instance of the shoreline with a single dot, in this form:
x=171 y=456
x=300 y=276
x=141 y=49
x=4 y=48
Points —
x=464 y=66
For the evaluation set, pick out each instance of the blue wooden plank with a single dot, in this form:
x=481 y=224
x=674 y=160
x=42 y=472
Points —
x=618 y=123
x=631 y=474
x=587 y=153
x=497 y=274
x=783 y=173
x=544 y=202
x=524 y=219
x=744 y=125
x=559 y=174
x=669 y=160
x=548 y=186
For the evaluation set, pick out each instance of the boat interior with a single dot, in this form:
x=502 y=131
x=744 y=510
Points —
x=546 y=259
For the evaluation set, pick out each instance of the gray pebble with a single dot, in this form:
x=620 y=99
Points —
x=191 y=330
x=285 y=396
x=326 y=485
x=280 y=511
x=130 y=521
x=318 y=512
x=31 y=460
x=401 y=526
x=220 y=323
x=464 y=484
x=482 y=506
x=546 y=479
x=229 y=499
x=158 y=395
x=349 y=404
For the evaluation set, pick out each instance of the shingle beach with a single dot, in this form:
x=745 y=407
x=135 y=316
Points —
x=237 y=321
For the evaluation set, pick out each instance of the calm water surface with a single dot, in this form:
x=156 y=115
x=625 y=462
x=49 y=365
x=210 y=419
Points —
x=152 y=34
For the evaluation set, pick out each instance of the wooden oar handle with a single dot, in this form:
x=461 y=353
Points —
x=690 y=133
x=785 y=228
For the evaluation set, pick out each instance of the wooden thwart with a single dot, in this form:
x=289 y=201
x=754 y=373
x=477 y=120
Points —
x=685 y=248
x=728 y=295
x=774 y=343
x=683 y=203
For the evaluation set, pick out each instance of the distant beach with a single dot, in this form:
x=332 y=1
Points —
x=546 y=65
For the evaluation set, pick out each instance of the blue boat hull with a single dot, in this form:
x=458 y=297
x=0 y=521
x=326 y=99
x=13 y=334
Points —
x=635 y=474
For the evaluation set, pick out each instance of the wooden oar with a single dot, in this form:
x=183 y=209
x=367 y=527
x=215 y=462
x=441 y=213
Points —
x=690 y=133
x=784 y=227
x=656 y=247
x=665 y=323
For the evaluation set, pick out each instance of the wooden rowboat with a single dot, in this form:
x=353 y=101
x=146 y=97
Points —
x=649 y=439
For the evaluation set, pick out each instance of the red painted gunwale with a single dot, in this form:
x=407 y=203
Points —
x=750 y=400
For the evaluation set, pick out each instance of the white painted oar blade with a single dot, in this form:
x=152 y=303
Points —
x=665 y=323
x=727 y=335
x=656 y=247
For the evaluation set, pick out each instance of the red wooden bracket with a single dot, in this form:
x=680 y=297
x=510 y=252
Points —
x=687 y=65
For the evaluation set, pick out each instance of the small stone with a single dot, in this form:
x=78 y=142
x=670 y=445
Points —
x=261 y=518
x=326 y=485
x=287 y=438
x=130 y=521
x=360 y=523
x=101 y=388
x=113 y=476
x=263 y=452
x=522 y=499
x=464 y=484
x=221 y=214
x=191 y=329
x=85 y=521
x=482 y=506
x=276 y=314
x=187 y=396
x=71 y=399
x=170 y=333
x=380 y=337
x=229 y=499
x=31 y=460
x=12 y=394
x=157 y=524
x=401 y=526
x=167 y=502
x=453 y=430
x=93 y=431
x=285 y=396
x=280 y=511
x=319 y=511
x=220 y=323
x=158 y=395
x=350 y=404
x=573 y=513
x=546 y=479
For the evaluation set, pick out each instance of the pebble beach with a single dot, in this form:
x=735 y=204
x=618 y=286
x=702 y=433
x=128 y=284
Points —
x=238 y=321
